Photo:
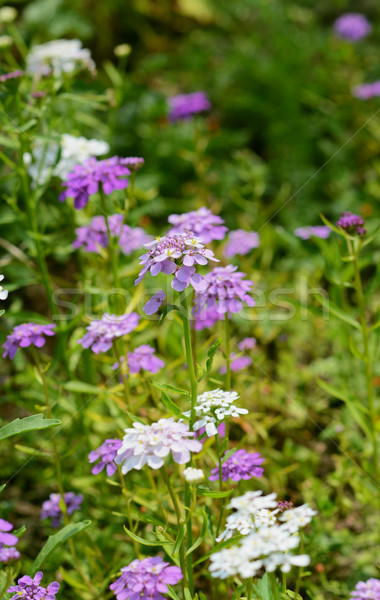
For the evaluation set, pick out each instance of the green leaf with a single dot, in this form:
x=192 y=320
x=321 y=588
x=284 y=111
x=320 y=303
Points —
x=217 y=547
x=172 y=593
x=166 y=387
x=31 y=423
x=201 y=535
x=56 y=540
x=179 y=539
x=187 y=594
x=168 y=308
x=264 y=589
x=170 y=405
x=2 y=487
x=354 y=408
x=82 y=388
x=342 y=316
x=212 y=493
x=211 y=354
x=141 y=540
x=333 y=391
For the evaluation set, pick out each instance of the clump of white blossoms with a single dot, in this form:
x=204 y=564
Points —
x=3 y=293
x=58 y=57
x=193 y=475
x=213 y=408
x=267 y=538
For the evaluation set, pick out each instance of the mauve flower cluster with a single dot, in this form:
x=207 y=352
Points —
x=7 y=539
x=238 y=363
x=184 y=106
x=26 y=335
x=352 y=27
x=201 y=223
x=133 y=238
x=351 y=223
x=107 y=454
x=241 y=465
x=284 y=505
x=150 y=444
x=11 y=75
x=102 y=332
x=30 y=589
x=367 y=590
x=248 y=343
x=87 y=179
x=51 y=510
x=367 y=90
x=142 y=359
x=145 y=579
x=176 y=255
x=241 y=242
x=225 y=293
x=319 y=231
x=95 y=234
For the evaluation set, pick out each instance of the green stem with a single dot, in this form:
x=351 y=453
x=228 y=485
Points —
x=284 y=585
x=249 y=589
x=180 y=522
x=189 y=360
x=129 y=199
x=128 y=507
x=123 y=376
x=112 y=252
x=221 y=507
x=299 y=576
x=7 y=581
x=228 y=351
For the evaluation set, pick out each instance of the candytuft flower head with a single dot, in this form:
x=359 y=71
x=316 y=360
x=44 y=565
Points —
x=248 y=343
x=150 y=444
x=184 y=106
x=6 y=538
x=51 y=507
x=58 y=57
x=240 y=465
x=95 y=235
x=145 y=579
x=238 y=363
x=366 y=590
x=142 y=359
x=367 y=90
x=225 y=292
x=29 y=588
x=319 y=231
x=202 y=223
x=26 y=335
x=352 y=27
x=12 y=75
x=87 y=179
x=102 y=332
x=106 y=453
x=213 y=408
x=241 y=242
x=352 y=224
x=134 y=162
x=193 y=476
x=3 y=293
x=8 y=554
x=177 y=255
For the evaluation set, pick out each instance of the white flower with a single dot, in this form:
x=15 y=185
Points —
x=192 y=475
x=7 y=14
x=237 y=522
x=296 y=518
x=3 y=293
x=57 y=57
x=232 y=561
x=213 y=407
x=251 y=502
x=264 y=517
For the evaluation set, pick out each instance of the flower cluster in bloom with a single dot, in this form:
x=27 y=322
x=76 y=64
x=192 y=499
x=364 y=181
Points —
x=352 y=27
x=11 y=75
x=241 y=242
x=58 y=57
x=366 y=590
x=142 y=359
x=150 y=444
x=102 y=332
x=85 y=180
x=319 y=231
x=367 y=90
x=107 y=454
x=193 y=476
x=184 y=106
x=7 y=542
x=266 y=541
x=30 y=589
x=202 y=223
x=248 y=343
x=353 y=224
x=95 y=235
x=145 y=579
x=152 y=306
x=51 y=508
x=238 y=363
x=213 y=408
x=133 y=238
x=134 y=162
x=176 y=255
x=3 y=293
x=225 y=293
x=284 y=505
x=240 y=465
x=25 y=335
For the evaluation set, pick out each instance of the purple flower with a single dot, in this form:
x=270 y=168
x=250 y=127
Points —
x=202 y=223
x=25 y=335
x=225 y=293
x=142 y=359
x=84 y=180
x=352 y=27
x=284 y=505
x=176 y=255
x=367 y=590
x=102 y=332
x=184 y=106
x=11 y=75
x=95 y=234
x=351 y=223
x=152 y=306
x=238 y=363
x=206 y=319
x=8 y=554
x=30 y=589
x=7 y=539
x=241 y=242
x=134 y=163
x=51 y=509
x=132 y=239
x=319 y=231
x=107 y=453
x=241 y=465
x=145 y=579
x=367 y=90
x=248 y=343
x=150 y=444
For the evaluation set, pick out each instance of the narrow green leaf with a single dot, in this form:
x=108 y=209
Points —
x=172 y=593
x=211 y=354
x=187 y=594
x=56 y=540
x=166 y=387
x=179 y=539
x=212 y=493
x=170 y=405
x=201 y=536
x=217 y=547
x=141 y=540
x=82 y=388
x=31 y=423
